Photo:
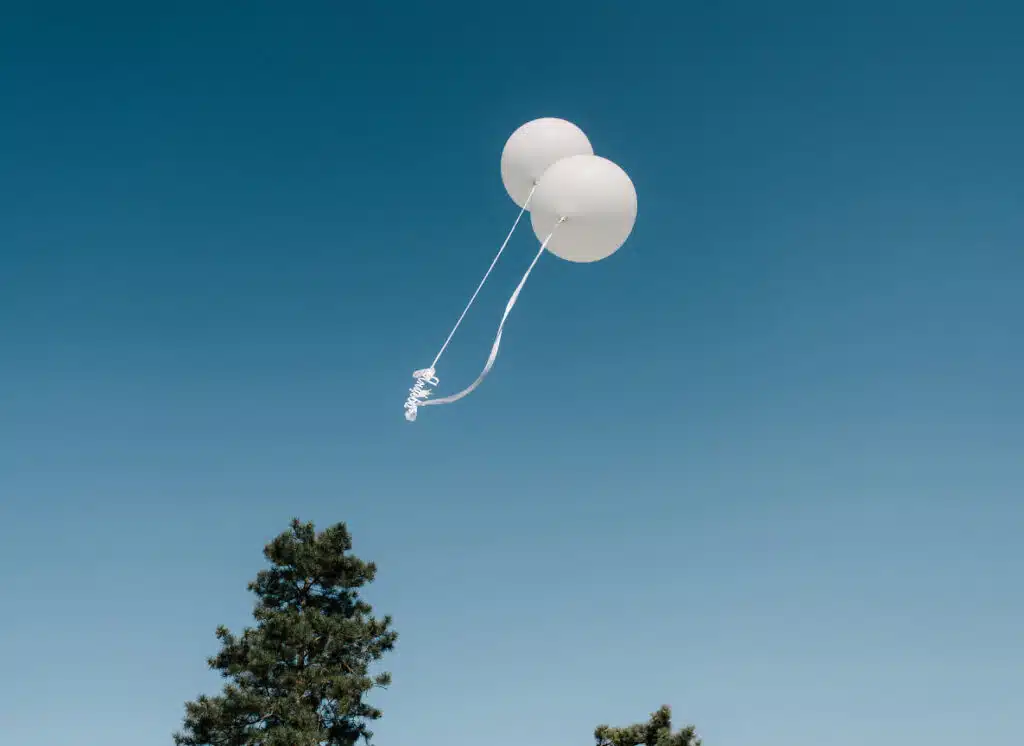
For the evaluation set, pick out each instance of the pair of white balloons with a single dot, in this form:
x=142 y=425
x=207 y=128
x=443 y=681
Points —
x=548 y=166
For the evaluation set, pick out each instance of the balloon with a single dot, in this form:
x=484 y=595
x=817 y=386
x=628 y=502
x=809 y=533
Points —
x=582 y=207
x=597 y=201
x=533 y=148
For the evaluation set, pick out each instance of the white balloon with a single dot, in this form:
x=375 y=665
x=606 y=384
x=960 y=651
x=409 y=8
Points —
x=597 y=200
x=532 y=148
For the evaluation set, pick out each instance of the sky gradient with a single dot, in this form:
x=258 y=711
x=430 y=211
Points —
x=764 y=464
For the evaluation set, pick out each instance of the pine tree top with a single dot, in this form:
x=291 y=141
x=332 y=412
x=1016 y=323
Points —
x=655 y=732
x=300 y=675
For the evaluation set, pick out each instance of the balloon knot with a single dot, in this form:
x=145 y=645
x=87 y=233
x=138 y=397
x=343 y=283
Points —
x=419 y=392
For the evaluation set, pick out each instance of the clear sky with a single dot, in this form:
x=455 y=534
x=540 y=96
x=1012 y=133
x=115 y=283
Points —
x=765 y=464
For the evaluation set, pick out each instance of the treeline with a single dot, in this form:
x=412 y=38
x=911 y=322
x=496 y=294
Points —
x=301 y=675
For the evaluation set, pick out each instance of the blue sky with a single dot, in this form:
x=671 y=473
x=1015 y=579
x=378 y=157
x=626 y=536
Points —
x=763 y=464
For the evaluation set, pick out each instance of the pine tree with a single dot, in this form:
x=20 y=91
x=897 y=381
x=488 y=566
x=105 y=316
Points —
x=655 y=732
x=299 y=677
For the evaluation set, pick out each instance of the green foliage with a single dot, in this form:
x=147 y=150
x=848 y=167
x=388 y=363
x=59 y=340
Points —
x=299 y=677
x=655 y=732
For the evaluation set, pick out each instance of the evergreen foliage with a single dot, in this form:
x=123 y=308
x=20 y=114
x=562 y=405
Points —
x=655 y=732
x=300 y=676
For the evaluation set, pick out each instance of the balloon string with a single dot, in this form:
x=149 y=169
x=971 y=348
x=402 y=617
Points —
x=486 y=275
x=497 y=340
